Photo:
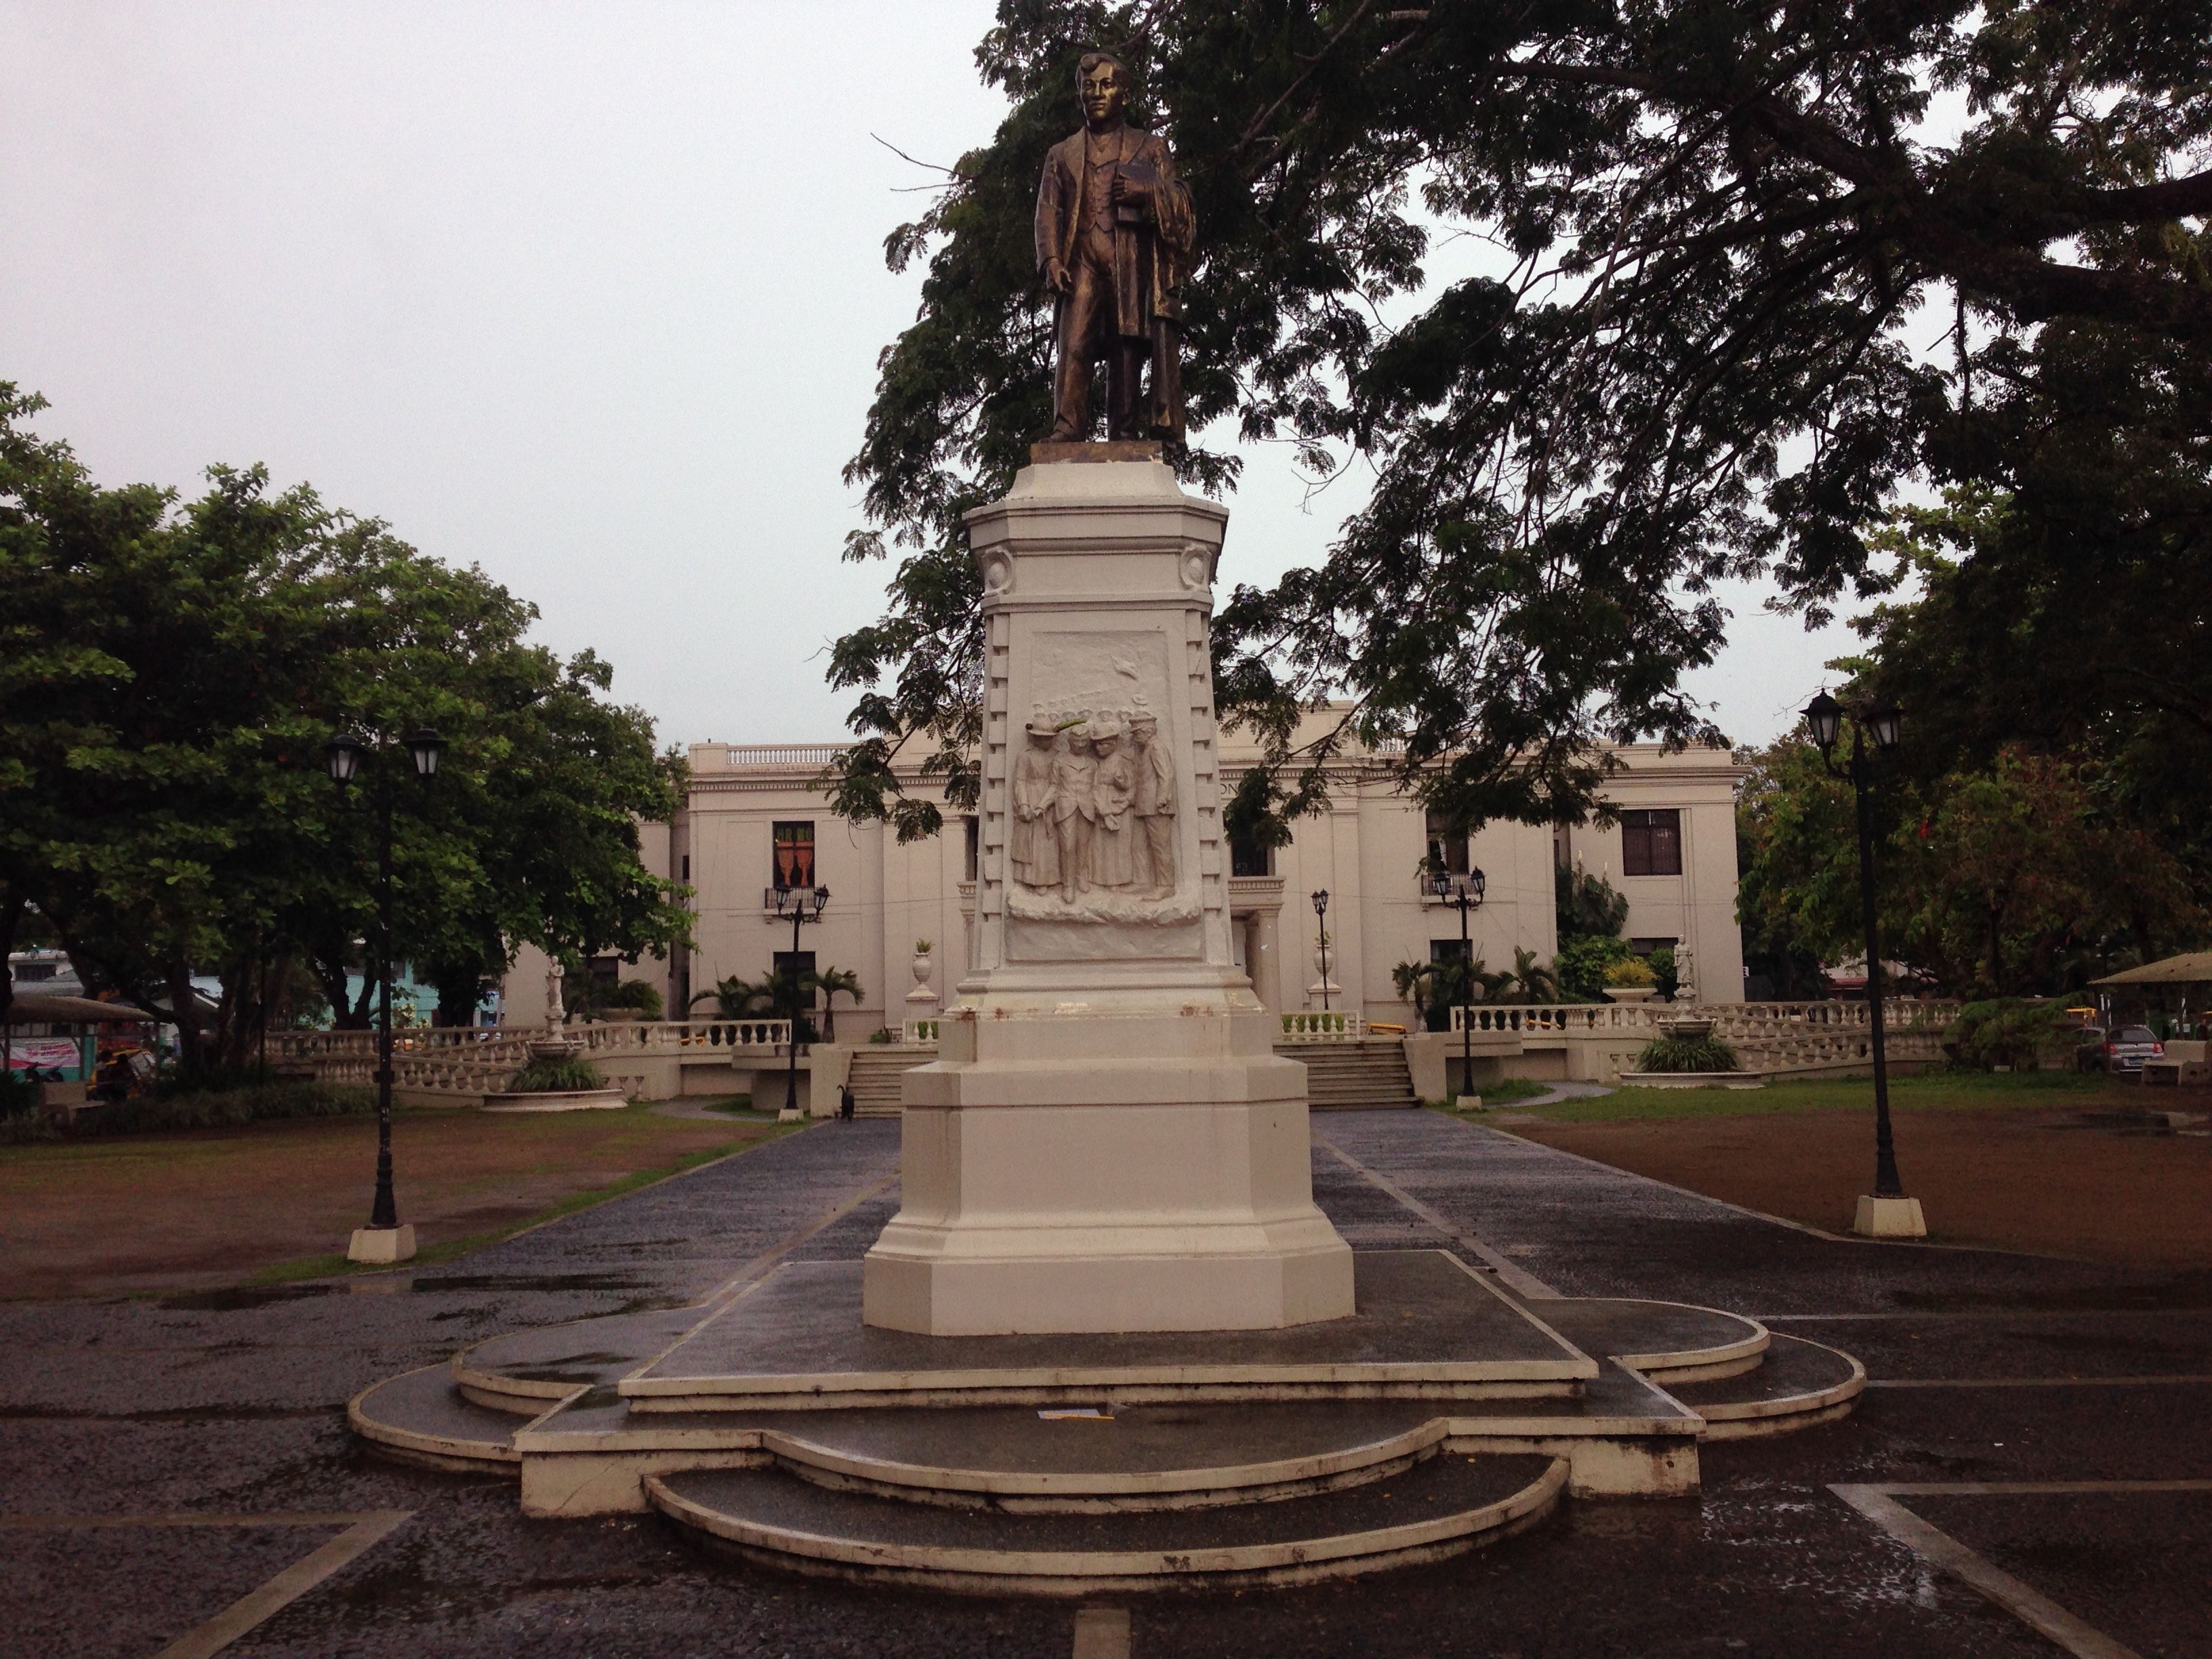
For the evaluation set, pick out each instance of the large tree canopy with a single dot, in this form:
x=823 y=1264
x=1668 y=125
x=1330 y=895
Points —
x=1716 y=228
x=168 y=674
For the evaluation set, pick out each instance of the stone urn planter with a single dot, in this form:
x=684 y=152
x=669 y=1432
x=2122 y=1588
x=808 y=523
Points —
x=1632 y=992
x=924 y=964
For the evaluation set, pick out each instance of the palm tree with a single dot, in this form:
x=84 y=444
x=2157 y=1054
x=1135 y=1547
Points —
x=737 y=998
x=831 y=981
x=1531 y=982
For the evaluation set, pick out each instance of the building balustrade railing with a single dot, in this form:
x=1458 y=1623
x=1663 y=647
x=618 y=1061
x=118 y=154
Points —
x=1769 y=1036
x=918 y=1034
x=1323 y=1027
x=479 y=1059
x=674 y=1036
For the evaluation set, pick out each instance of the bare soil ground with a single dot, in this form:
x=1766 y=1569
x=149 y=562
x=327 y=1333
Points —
x=2089 y=1175
x=137 y=1214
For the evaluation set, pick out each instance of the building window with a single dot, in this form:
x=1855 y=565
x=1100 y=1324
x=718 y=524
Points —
x=788 y=962
x=1447 y=950
x=686 y=875
x=1651 y=843
x=1249 y=858
x=973 y=855
x=1447 y=845
x=794 y=854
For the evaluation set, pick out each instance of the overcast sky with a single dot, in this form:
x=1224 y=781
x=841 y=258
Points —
x=590 y=296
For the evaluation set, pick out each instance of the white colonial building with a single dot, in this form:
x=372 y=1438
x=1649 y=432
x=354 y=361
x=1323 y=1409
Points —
x=752 y=821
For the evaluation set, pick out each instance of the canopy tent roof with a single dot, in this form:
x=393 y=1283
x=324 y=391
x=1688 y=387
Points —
x=2193 y=969
x=30 y=1008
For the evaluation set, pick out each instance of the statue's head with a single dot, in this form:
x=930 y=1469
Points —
x=1102 y=87
x=1143 y=728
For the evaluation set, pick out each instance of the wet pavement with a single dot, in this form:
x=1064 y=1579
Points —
x=231 y=1404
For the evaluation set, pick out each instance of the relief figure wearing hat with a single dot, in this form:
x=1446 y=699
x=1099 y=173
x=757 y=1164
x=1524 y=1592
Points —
x=1113 y=236
x=1031 y=847
x=1114 y=786
x=1152 y=807
x=1074 y=813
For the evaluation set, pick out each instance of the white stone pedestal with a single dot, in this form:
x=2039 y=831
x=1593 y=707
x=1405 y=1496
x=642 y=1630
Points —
x=1107 y=1140
x=382 y=1246
x=1889 y=1218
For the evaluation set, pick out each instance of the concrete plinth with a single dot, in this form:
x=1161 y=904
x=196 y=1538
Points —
x=1107 y=1141
x=1889 y=1218
x=382 y=1246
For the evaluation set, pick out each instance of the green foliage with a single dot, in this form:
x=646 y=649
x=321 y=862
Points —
x=1664 y=974
x=1582 y=961
x=168 y=674
x=739 y=998
x=1718 y=226
x=1587 y=904
x=2008 y=1032
x=551 y=1074
x=1675 y=1054
x=1630 y=974
x=172 y=1108
x=833 y=982
x=642 y=995
x=2020 y=871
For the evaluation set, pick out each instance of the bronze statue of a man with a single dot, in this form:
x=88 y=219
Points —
x=1114 y=232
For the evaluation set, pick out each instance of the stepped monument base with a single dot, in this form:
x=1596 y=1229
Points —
x=1107 y=1140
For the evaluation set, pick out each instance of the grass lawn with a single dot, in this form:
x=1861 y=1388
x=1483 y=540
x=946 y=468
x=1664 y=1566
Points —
x=2046 y=1162
x=194 y=1209
x=1938 y=1092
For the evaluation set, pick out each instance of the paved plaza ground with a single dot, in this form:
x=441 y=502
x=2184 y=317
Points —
x=2003 y=1382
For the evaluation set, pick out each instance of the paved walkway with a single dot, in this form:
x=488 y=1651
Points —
x=229 y=1406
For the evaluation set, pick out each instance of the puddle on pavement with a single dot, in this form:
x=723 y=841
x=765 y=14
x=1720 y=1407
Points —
x=528 y=1282
x=240 y=1298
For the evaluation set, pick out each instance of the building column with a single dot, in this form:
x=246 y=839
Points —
x=1263 y=960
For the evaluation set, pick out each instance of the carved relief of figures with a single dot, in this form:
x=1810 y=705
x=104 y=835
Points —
x=1113 y=784
x=1033 y=848
x=1074 y=810
x=1152 y=808
x=1093 y=807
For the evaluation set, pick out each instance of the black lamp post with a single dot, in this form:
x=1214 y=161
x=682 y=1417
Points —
x=343 y=756
x=801 y=907
x=1824 y=716
x=1320 y=914
x=1465 y=892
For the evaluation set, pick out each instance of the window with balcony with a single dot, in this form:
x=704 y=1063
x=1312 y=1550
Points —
x=1447 y=846
x=1249 y=858
x=1651 y=843
x=795 y=855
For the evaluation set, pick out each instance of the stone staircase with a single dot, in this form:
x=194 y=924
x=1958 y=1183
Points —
x=876 y=1070
x=1369 y=1075
x=1073 y=1466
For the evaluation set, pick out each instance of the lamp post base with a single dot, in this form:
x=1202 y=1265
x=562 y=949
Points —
x=382 y=1246
x=1889 y=1218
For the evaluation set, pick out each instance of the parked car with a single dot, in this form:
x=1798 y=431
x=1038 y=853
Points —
x=2123 y=1048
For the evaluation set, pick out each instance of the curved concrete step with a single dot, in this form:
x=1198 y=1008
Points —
x=1142 y=1457
x=526 y=1371
x=1797 y=1384
x=1668 y=1342
x=1439 y=1507
x=422 y=1417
